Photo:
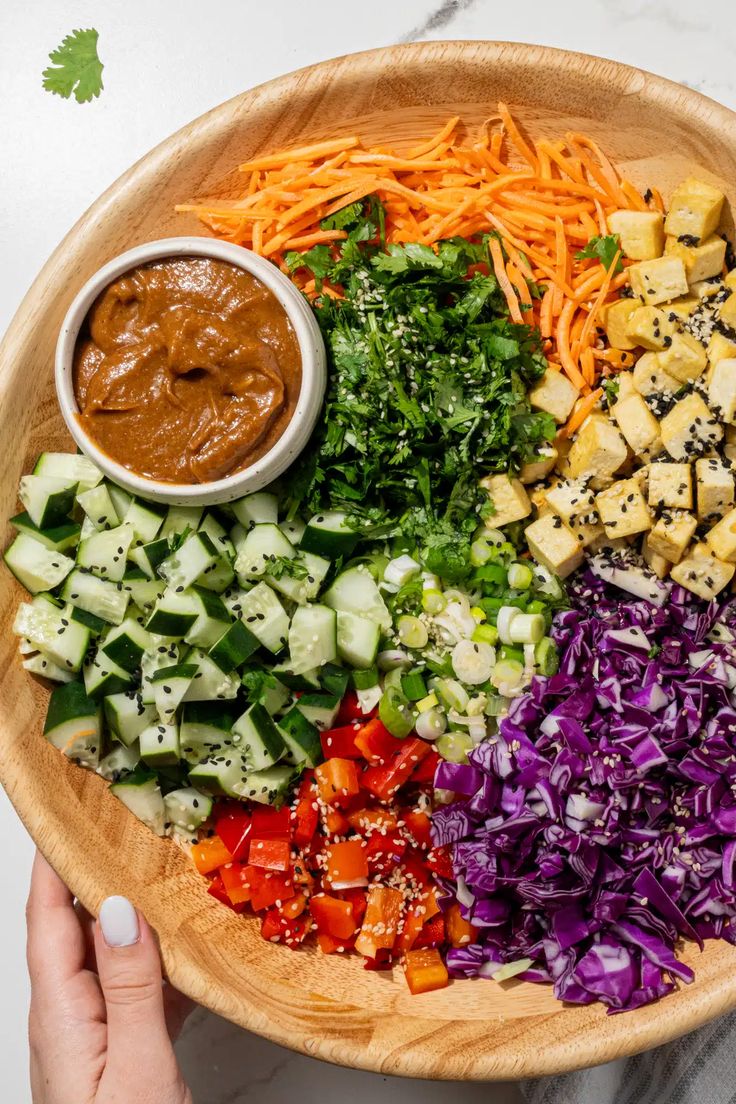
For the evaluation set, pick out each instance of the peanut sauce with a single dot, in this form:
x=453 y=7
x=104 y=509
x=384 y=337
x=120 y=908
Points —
x=186 y=370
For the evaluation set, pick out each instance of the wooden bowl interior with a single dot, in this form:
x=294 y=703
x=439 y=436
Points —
x=331 y=1008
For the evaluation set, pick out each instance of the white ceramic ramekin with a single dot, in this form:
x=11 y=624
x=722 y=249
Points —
x=309 y=403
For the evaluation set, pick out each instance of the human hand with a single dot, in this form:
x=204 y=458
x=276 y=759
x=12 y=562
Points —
x=101 y=1023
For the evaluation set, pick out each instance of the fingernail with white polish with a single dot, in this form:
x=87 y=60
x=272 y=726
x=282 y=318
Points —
x=119 y=922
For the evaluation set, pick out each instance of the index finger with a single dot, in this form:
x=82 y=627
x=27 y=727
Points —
x=56 y=946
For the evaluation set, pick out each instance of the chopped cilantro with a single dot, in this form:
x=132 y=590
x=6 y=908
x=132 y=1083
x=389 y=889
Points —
x=286 y=565
x=76 y=68
x=604 y=249
x=256 y=681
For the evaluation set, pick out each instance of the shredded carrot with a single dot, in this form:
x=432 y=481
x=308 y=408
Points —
x=503 y=280
x=580 y=412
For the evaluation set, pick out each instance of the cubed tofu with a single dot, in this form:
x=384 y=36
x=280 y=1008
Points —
x=625 y=381
x=659 y=281
x=714 y=483
x=574 y=502
x=722 y=538
x=650 y=377
x=730 y=278
x=540 y=466
x=638 y=425
x=623 y=509
x=670 y=486
x=510 y=500
x=658 y=564
x=703 y=573
x=553 y=545
x=729 y=446
x=616 y=319
x=727 y=311
x=641 y=233
x=681 y=309
x=689 y=429
x=538 y=497
x=720 y=348
x=671 y=534
x=650 y=327
x=598 y=452
x=722 y=390
x=702 y=260
x=684 y=358
x=706 y=289
x=695 y=209
x=554 y=394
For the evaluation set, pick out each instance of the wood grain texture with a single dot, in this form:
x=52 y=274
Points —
x=328 y=1007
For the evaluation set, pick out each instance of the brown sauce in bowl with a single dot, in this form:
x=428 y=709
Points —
x=186 y=370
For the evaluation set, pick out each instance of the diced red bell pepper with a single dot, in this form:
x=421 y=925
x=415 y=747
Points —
x=347 y=865
x=426 y=770
x=234 y=827
x=333 y=916
x=415 y=867
x=382 y=961
x=270 y=854
x=268 y=887
x=460 y=932
x=358 y=899
x=217 y=890
x=305 y=821
x=419 y=826
x=381 y=921
x=339 y=743
x=385 y=852
x=432 y=933
x=425 y=970
x=439 y=860
x=337 y=781
x=277 y=928
x=328 y=944
x=366 y=821
x=209 y=854
x=336 y=823
x=349 y=710
x=386 y=781
x=270 y=823
x=236 y=881
x=376 y=743
x=410 y=929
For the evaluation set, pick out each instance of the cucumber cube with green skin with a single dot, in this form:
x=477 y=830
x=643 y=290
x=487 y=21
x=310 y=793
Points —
x=142 y=795
x=159 y=745
x=98 y=507
x=174 y=613
x=105 y=553
x=357 y=639
x=143 y=591
x=35 y=566
x=73 y=724
x=47 y=499
x=210 y=683
x=355 y=591
x=304 y=681
x=206 y=728
x=266 y=618
x=148 y=557
x=169 y=685
x=126 y=644
x=52 y=631
x=218 y=577
x=275 y=697
x=319 y=709
x=218 y=535
x=189 y=562
x=305 y=582
x=102 y=597
x=181 y=519
x=187 y=808
x=234 y=647
x=261 y=508
x=121 y=500
x=257 y=738
x=293 y=530
x=312 y=637
x=38 y=664
x=222 y=775
x=212 y=620
x=126 y=715
x=163 y=653
x=103 y=677
x=71 y=466
x=263 y=544
x=145 y=517
x=334 y=679
x=329 y=534
x=232 y=599
x=94 y=623
x=267 y=787
x=301 y=738
x=120 y=762
x=60 y=538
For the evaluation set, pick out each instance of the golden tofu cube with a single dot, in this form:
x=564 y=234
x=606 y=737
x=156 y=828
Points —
x=730 y=278
x=729 y=447
x=658 y=564
x=714 y=483
x=616 y=319
x=623 y=509
x=702 y=260
x=722 y=390
x=575 y=504
x=650 y=327
x=638 y=425
x=598 y=452
x=670 y=486
x=722 y=538
x=540 y=466
x=672 y=533
x=681 y=309
x=689 y=429
x=625 y=381
x=650 y=377
x=684 y=358
x=554 y=394
x=695 y=209
x=707 y=289
x=641 y=233
x=703 y=573
x=720 y=348
x=659 y=281
x=727 y=311
x=553 y=545
x=538 y=497
x=510 y=500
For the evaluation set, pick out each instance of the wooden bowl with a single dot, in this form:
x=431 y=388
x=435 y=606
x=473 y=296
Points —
x=328 y=1007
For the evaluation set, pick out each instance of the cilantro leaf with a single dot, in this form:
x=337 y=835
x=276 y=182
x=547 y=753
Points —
x=256 y=681
x=403 y=258
x=76 y=67
x=318 y=260
x=286 y=565
x=346 y=217
x=604 y=249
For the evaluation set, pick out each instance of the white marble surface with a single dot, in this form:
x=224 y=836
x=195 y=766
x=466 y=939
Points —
x=166 y=62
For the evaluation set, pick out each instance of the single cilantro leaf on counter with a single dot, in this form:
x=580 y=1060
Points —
x=76 y=67
x=603 y=249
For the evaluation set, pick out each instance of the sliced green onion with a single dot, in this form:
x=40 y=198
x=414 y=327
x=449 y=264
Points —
x=363 y=680
x=477 y=613
x=454 y=746
x=520 y=576
x=507 y=674
x=427 y=703
x=473 y=661
x=453 y=694
x=491 y=536
x=485 y=634
x=509 y=651
x=493 y=574
x=412 y=632
x=504 y=622
x=536 y=606
x=527 y=628
x=546 y=657
x=394 y=712
x=392 y=679
x=433 y=601
x=392 y=658
x=480 y=553
x=413 y=686
x=511 y=969
x=496 y=706
x=431 y=725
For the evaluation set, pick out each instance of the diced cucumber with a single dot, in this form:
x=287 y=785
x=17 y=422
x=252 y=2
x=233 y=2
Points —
x=35 y=566
x=94 y=623
x=121 y=500
x=261 y=508
x=301 y=738
x=73 y=467
x=238 y=533
x=209 y=683
x=38 y=664
x=145 y=517
x=319 y=709
x=233 y=600
x=365 y=679
x=47 y=499
x=312 y=638
x=305 y=680
x=206 y=729
x=275 y=697
x=53 y=632
x=262 y=546
x=169 y=685
x=59 y=539
x=126 y=716
x=102 y=597
x=188 y=563
x=102 y=677
x=355 y=591
x=120 y=762
x=330 y=535
x=180 y=519
x=293 y=530
x=73 y=724
x=126 y=644
x=267 y=787
x=220 y=775
x=218 y=535
x=143 y=591
x=160 y=745
x=235 y=645
x=174 y=613
x=335 y=680
x=142 y=796
x=98 y=507
x=304 y=584
x=187 y=808
x=357 y=639
x=163 y=653
x=266 y=618
x=212 y=620
x=105 y=553
x=257 y=738
x=218 y=577
x=148 y=557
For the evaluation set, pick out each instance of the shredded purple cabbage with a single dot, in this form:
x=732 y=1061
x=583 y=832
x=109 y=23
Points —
x=599 y=825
